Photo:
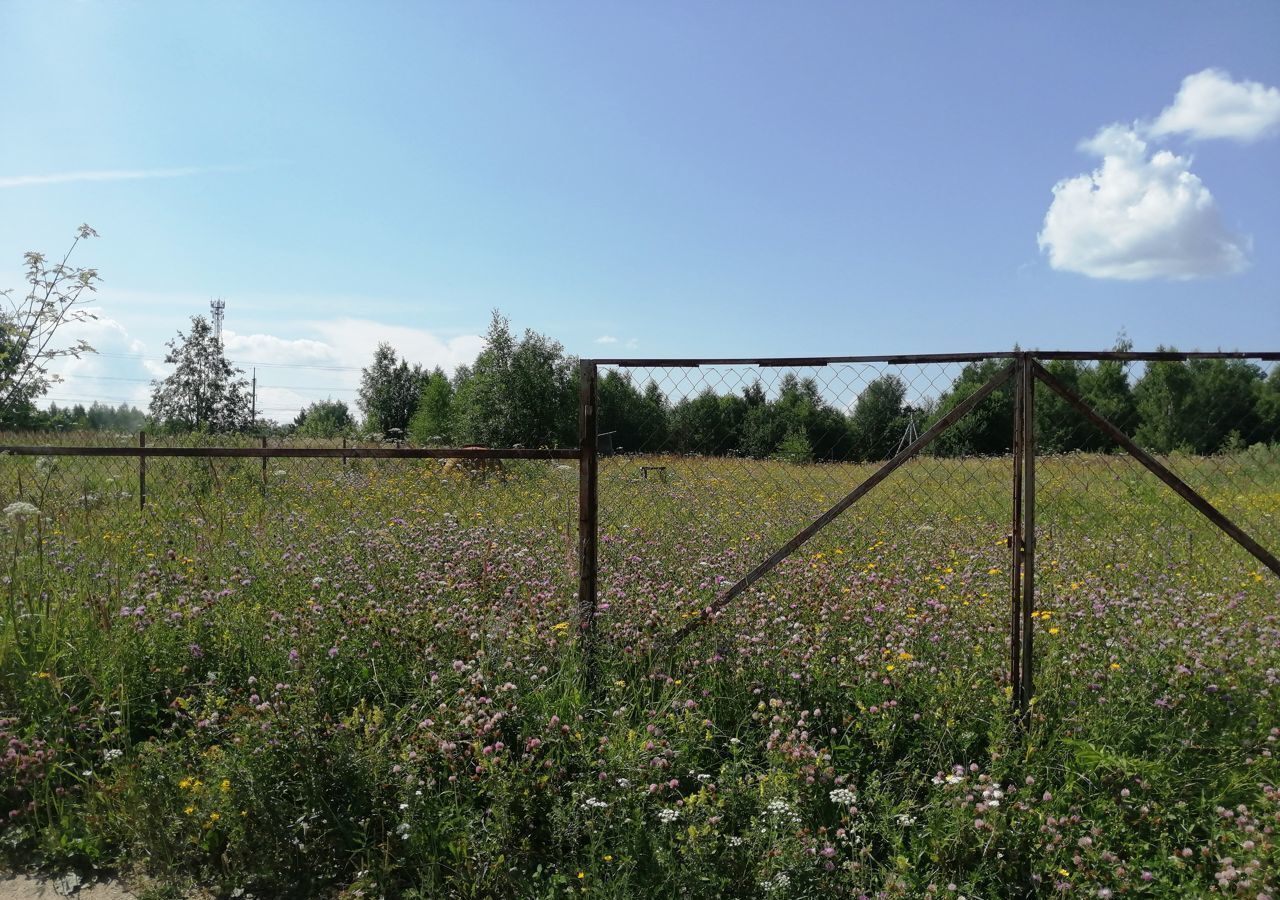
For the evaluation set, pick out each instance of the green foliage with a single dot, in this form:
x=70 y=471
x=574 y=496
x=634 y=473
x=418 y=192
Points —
x=325 y=419
x=56 y=295
x=95 y=417
x=517 y=392
x=203 y=393
x=638 y=419
x=389 y=392
x=879 y=418
x=432 y=423
x=987 y=430
x=1201 y=405
x=795 y=448
x=1105 y=387
x=1267 y=400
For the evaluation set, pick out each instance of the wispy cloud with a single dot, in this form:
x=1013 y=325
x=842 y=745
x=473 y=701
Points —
x=18 y=181
x=606 y=339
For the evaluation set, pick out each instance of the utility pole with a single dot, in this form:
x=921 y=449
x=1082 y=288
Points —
x=253 y=402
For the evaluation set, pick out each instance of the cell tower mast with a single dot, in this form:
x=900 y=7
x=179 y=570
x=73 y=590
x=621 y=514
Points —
x=219 y=308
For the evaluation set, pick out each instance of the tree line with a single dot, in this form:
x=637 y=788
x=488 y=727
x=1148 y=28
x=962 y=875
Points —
x=522 y=390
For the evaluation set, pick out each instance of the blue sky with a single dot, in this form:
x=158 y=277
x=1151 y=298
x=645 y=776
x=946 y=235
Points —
x=684 y=178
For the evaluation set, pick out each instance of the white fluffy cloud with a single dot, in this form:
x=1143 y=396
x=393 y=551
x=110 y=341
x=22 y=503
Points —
x=291 y=372
x=1210 y=105
x=1142 y=213
x=1139 y=215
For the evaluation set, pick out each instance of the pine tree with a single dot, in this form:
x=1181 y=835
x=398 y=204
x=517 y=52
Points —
x=204 y=392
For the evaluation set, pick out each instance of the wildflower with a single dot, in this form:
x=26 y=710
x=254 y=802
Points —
x=225 y=785
x=667 y=816
x=843 y=797
x=905 y=820
x=19 y=510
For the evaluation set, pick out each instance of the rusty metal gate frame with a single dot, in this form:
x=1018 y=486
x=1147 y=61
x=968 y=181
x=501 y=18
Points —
x=1025 y=370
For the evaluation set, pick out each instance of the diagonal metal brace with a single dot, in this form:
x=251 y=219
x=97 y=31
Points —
x=957 y=413
x=1180 y=487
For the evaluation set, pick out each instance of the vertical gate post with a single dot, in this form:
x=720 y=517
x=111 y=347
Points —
x=1015 y=545
x=142 y=471
x=264 y=466
x=588 y=521
x=1029 y=531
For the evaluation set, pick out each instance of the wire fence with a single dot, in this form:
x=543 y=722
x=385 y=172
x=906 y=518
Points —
x=708 y=498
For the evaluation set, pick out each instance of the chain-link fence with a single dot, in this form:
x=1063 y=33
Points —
x=715 y=508
x=736 y=493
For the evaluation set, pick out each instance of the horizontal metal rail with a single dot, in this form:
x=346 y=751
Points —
x=1152 y=356
x=781 y=361
x=922 y=358
x=301 y=452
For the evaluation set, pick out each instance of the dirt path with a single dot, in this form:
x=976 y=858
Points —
x=22 y=887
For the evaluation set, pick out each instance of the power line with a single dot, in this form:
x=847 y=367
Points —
x=267 y=365
x=282 y=387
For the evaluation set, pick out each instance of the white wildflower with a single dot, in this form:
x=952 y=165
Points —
x=20 y=509
x=667 y=816
x=843 y=797
x=777 y=883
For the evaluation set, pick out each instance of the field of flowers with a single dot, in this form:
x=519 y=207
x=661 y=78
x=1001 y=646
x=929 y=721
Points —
x=364 y=680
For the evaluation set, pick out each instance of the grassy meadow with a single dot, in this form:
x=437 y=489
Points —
x=364 y=680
